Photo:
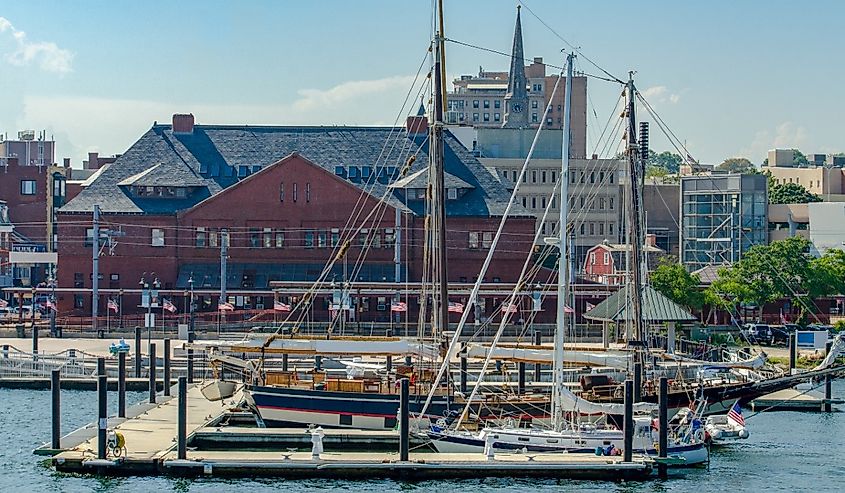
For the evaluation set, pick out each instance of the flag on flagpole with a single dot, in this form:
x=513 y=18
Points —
x=280 y=307
x=399 y=306
x=50 y=305
x=509 y=308
x=782 y=318
x=456 y=307
x=4 y=303
x=735 y=414
x=167 y=305
x=112 y=305
x=568 y=309
x=225 y=307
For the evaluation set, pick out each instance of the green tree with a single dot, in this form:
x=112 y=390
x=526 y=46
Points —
x=673 y=281
x=791 y=193
x=798 y=158
x=736 y=165
x=666 y=160
x=828 y=273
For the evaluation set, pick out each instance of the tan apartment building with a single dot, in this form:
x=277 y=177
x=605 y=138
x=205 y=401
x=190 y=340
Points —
x=822 y=177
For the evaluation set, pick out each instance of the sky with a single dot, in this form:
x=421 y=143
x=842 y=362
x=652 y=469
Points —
x=730 y=78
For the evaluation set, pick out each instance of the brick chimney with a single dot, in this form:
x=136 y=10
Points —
x=93 y=161
x=651 y=239
x=416 y=125
x=183 y=123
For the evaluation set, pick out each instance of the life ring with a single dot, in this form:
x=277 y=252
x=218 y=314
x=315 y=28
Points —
x=698 y=435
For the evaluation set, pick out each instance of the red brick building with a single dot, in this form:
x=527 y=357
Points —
x=286 y=198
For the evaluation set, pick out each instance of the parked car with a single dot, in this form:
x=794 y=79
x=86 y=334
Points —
x=8 y=312
x=779 y=334
x=757 y=333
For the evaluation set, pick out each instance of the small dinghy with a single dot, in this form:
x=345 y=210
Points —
x=725 y=428
x=216 y=390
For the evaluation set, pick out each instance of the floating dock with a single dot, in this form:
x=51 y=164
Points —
x=150 y=432
x=792 y=400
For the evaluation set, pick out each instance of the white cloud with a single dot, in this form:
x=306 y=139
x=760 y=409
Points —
x=112 y=125
x=787 y=135
x=660 y=94
x=46 y=54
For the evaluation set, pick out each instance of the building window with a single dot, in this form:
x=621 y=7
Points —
x=593 y=258
x=78 y=301
x=212 y=238
x=475 y=103
x=389 y=238
x=308 y=192
x=254 y=237
x=486 y=117
x=533 y=202
x=280 y=238
x=610 y=228
x=601 y=203
x=524 y=201
x=610 y=202
x=554 y=176
x=486 y=239
x=592 y=176
x=309 y=239
x=533 y=176
x=224 y=238
x=157 y=238
x=583 y=228
x=27 y=187
x=452 y=193
x=497 y=104
x=534 y=117
x=543 y=176
x=335 y=237
x=497 y=117
x=601 y=229
x=572 y=178
x=362 y=237
x=475 y=117
x=201 y=238
x=487 y=103
x=601 y=176
x=268 y=238
x=534 y=104
x=473 y=239
x=606 y=258
x=592 y=229
x=294 y=192
x=78 y=280
x=282 y=192
x=611 y=178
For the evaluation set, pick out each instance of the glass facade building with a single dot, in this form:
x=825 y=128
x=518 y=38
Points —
x=722 y=216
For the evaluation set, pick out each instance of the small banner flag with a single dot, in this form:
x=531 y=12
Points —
x=399 y=306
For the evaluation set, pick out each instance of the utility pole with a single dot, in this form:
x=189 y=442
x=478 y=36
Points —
x=95 y=268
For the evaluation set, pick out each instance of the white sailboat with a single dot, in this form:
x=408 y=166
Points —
x=686 y=448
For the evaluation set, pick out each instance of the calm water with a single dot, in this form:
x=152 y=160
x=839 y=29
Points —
x=786 y=452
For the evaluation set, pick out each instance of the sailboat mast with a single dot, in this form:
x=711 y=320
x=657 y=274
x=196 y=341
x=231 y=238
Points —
x=439 y=191
x=634 y=226
x=563 y=261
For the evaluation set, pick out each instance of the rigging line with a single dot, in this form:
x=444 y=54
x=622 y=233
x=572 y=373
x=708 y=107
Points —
x=663 y=124
x=573 y=47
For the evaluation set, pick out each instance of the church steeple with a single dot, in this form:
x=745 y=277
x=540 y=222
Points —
x=516 y=99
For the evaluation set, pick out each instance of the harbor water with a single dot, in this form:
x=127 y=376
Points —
x=787 y=451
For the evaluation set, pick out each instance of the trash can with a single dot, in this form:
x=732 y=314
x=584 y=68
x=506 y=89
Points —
x=20 y=332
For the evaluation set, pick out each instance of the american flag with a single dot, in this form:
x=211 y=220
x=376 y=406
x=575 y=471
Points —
x=112 y=305
x=509 y=308
x=50 y=305
x=280 y=307
x=225 y=307
x=568 y=309
x=167 y=305
x=399 y=306
x=735 y=414
x=4 y=303
x=456 y=307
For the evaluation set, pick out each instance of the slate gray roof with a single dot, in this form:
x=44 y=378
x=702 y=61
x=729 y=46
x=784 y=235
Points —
x=213 y=154
x=419 y=179
x=656 y=308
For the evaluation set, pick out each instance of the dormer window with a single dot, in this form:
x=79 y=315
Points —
x=452 y=194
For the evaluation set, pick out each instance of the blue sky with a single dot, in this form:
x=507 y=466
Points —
x=732 y=78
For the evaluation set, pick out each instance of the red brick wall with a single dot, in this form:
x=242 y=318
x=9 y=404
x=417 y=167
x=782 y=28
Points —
x=27 y=212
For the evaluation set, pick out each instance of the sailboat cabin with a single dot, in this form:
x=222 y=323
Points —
x=606 y=262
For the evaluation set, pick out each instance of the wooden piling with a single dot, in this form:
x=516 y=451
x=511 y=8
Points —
x=167 y=367
x=521 y=378
x=538 y=368
x=463 y=375
x=285 y=364
x=404 y=432
x=34 y=335
x=101 y=366
x=182 y=419
x=628 y=419
x=121 y=384
x=408 y=361
x=191 y=365
x=318 y=362
x=56 y=409
x=638 y=382
x=152 y=373
x=137 y=352
x=828 y=394
x=389 y=363
x=793 y=350
x=102 y=415
x=663 y=423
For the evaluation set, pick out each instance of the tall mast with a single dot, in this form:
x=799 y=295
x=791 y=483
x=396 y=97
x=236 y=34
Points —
x=563 y=261
x=439 y=192
x=634 y=226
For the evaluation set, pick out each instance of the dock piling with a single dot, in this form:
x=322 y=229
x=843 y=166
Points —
x=56 y=413
x=389 y=363
x=638 y=382
x=121 y=384
x=628 y=426
x=538 y=368
x=190 y=368
x=793 y=350
x=521 y=379
x=404 y=437
x=408 y=361
x=318 y=362
x=285 y=362
x=463 y=376
x=102 y=415
x=167 y=367
x=101 y=366
x=663 y=423
x=137 y=352
x=828 y=394
x=152 y=373
x=182 y=419
x=34 y=338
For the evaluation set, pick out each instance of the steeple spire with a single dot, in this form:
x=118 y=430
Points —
x=516 y=99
